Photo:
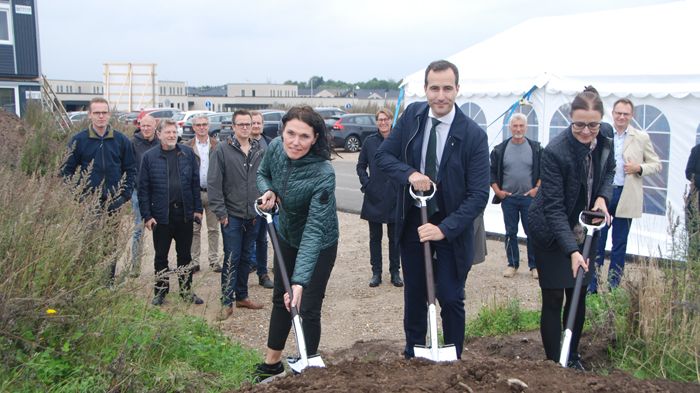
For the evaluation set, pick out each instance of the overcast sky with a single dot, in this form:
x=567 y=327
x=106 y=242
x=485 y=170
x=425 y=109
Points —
x=258 y=41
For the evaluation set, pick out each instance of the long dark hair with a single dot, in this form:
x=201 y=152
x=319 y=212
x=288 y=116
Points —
x=307 y=115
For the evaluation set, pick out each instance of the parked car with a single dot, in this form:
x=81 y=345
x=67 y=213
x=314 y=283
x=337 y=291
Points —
x=329 y=112
x=128 y=118
x=220 y=126
x=351 y=130
x=272 y=119
x=183 y=117
x=77 y=117
x=158 y=113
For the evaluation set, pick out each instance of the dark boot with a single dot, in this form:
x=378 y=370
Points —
x=396 y=279
x=265 y=371
x=265 y=281
x=376 y=280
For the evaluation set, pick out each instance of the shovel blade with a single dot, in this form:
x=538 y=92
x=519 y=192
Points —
x=564 y=353
x=447 y=353
x=299 y=364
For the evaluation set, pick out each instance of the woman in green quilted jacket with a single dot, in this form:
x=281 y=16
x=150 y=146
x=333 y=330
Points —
x=297 y=174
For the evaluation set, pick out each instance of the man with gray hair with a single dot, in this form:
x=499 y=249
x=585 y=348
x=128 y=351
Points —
x=515 y=178
x=203 y=145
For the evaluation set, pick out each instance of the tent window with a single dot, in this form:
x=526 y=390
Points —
x=560 y=121
x=654 y=122
x=474 y=112
x=532 y=123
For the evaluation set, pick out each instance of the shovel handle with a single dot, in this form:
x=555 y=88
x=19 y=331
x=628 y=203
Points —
x=280 y=261
x=428 y=260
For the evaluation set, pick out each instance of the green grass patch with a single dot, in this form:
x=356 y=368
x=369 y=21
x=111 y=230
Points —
x=502 y=319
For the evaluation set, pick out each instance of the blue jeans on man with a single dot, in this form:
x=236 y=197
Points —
x=258 y=254
x=620 y=231
x=515 y=209
x=137 y=237
x=238 y=237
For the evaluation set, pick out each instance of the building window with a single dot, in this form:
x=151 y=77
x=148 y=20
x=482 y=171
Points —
x=5 y=25
x=242 y=92
x=532 y=122
x=474 y=112
x=7 y=100
x=253 y=92
x=79 y=90
x=560 y=121
x=650 y=119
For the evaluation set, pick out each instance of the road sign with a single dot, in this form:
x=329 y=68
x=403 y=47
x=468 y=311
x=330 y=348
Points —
x=348 y=105
x=208 y=104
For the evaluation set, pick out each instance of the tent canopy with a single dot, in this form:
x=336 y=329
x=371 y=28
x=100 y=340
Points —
x=638 y=52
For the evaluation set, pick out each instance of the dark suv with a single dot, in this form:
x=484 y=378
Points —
x=350 y=131
x=272 y=119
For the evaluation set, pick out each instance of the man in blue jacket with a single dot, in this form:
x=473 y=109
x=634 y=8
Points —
x=170 y=201
x=435 y=141
x=110 y=155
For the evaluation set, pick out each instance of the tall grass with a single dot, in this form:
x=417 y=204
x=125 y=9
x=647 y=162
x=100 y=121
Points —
x=61 y=327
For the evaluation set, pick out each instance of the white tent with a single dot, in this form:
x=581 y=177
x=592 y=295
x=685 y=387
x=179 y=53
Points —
x=648 y=54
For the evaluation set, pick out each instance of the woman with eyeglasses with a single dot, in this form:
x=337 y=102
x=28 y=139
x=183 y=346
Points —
x=296 y=173
x=577 y=170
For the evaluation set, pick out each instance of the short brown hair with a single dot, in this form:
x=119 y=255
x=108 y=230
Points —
x=386 y=111
x=96 y=100
x=624 y=101
x=441 y=65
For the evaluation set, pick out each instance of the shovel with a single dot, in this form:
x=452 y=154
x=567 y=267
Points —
x=432 y=352
x=297 y=364
x=590 y=231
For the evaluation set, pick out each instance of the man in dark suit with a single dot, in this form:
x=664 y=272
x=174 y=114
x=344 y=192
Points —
x=435 y=141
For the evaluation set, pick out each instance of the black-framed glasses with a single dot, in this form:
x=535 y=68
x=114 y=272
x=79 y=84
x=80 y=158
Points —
x=580 y=125
x=243 y=125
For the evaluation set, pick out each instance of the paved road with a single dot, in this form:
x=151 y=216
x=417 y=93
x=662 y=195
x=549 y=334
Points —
x=347 y=185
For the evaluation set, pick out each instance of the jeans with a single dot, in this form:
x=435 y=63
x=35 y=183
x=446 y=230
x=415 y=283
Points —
x=238 y=237
x=163 y=234
x=138 y=232
x=258 y=254
x=620 y=231
x=212 y=235
x=515 y=209
x=375 y=248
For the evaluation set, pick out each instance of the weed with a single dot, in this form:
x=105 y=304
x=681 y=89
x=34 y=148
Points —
x=502 y=319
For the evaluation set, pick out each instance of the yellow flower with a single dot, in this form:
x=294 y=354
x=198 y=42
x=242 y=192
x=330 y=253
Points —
x=51 y=311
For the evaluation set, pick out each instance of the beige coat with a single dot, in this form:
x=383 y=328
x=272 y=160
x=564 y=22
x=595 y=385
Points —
x=638 y=149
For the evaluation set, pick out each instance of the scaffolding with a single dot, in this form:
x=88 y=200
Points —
x=130 y=86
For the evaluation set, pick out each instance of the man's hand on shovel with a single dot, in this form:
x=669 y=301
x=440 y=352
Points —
x=430 y=232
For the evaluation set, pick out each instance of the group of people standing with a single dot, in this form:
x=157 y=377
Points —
x=589 y=166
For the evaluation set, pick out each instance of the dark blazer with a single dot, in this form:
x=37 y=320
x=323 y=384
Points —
x=497 y=163
x=154 y=201
x=562 y=196
x=692 y=168
x=462 y=179
x=379 y=203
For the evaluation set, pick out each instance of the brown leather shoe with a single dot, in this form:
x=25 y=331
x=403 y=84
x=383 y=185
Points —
x=247 y=303
x=224 y=313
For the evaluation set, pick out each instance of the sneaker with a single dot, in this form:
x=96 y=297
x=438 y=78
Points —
x=194 y=299
x=509 y=272
x=534 y=274
x=575 y=362
x=158 y=300
x=216 y=268
x=396 y=279
x=265 y=371
x=225 y=313
x=265 y=281
x=376 y=280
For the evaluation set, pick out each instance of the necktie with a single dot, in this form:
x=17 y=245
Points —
x=431 y=163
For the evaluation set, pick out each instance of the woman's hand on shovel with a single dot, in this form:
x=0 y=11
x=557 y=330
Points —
x=576 y=261
x=296 y=291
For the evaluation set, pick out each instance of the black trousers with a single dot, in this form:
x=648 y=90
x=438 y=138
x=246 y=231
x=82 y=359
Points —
x=553 y=323
x=163 y=235
x=311 y=300
x=375 y=248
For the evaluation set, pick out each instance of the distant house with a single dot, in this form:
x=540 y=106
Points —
x=19 y=55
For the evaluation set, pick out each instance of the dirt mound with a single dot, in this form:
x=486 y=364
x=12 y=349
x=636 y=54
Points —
x=488 y=365
x=13 y=134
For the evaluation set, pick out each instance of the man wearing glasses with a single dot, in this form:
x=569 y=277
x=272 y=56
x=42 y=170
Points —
x=203 y=145
x=634 y=158
x=232 y=187
x=108 y=154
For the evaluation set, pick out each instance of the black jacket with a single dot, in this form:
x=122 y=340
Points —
x=154 y=201
x=379 y=203
x=562 y=193
x=141 y=145
x=497 y=163
x=692 y=169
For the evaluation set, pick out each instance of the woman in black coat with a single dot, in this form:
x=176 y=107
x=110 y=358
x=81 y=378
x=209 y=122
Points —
x=379 y=203
x=577 y=170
